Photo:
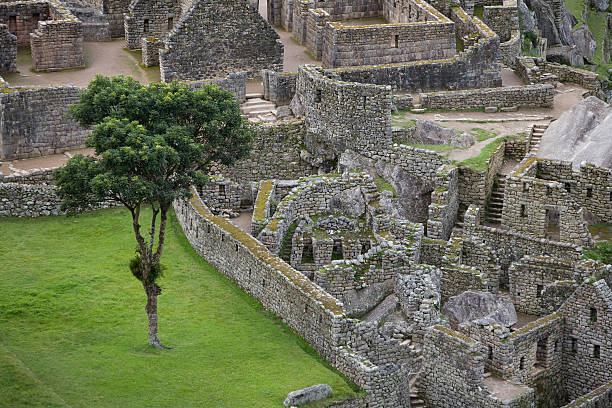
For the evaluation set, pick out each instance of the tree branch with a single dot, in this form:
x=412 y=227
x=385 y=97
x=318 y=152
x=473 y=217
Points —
x=152 y=233
x=162 y=232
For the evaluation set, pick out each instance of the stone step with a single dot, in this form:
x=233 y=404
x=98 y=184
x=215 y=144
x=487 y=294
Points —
x=418 y=110
x=258 y=107
x=255 y=100
x=262 y=112
x=254 y=95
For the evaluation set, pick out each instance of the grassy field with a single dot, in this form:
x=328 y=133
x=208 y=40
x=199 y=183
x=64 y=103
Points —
x=73 y=327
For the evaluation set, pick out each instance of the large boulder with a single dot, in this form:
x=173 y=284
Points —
x=526 y=18
x=585 y=42
x=580 y=134
x=303 y=396
x=348 y=202
x=430 y=133
x=480 y=307
x=545 y=18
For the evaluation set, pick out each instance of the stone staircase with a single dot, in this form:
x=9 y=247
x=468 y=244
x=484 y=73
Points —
x=257 y=110
x=416 y=401
x=536 y=137
x=496 y=201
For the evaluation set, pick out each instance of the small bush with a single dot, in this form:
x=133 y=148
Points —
x=601 y=252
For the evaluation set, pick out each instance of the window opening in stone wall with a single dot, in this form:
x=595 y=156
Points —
x=337 y=250
x=222 y=238
x=490 y=354
x=593 y=315
x=263 y=283
x=365 y=101
x=552 y=224
x=525 y=188
x=522 y=363
x=396 y=41
x=523 y=210
x=589 y=192
x=35 y=19
x=12 y=25
x=221 y=189
x=170 y=23
x=365 y=247
x=539 y=291
x=573 y=345
x=145 y=26
x=236 y=247
x=596 y=351
x=568 y=187
x=542 y=353
x=318 y=96
x=307 y=254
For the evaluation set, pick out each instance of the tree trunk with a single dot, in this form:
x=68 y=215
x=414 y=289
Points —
x=152 y=292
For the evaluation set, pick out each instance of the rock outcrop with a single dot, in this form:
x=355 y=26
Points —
x=583 y=133
x=314 y=393
x=481 y=307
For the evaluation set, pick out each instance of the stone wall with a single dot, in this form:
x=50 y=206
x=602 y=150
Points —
x=476 y=67
x=502 y=19
x=275 y=154
x=540 y=95
x=586 y=349
x=26 y=200
x=22 y=18
x=57 y=45
x=235 y=83
x=542 y=208
x=279 y=87
x=431 y=36
x=303 y=306
x=511 y=49
x=33 y=122
x=8 y=50
x=509 y=246
x=150 y=19
x=211 y=29
x=349 y=9
x=453 y=373
x=476 y=187
x=529 y=276
x=442 y=212
x=564 y=73
x=591 y=187
x=599 y=397
x=150 y=51
x=341 y=115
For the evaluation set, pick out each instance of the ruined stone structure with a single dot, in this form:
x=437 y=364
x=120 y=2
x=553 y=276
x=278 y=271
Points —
x=358 y=240
x=54 y=34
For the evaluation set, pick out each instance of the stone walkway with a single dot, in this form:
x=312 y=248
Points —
x=52 y=161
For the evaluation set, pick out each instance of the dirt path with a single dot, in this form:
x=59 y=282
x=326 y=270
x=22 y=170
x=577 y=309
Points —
x=51 y=161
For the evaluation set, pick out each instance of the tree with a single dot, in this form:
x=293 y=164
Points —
x=151 y=144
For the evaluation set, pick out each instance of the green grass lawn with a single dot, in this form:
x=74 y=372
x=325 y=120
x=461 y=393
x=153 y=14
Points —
x=73 y=327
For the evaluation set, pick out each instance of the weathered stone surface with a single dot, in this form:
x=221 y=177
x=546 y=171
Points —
x=348 y=202
x=482 y=307
x=584 y=40
x=526 y=18
x=600 y=5
x=581 y=134
x=314 y=393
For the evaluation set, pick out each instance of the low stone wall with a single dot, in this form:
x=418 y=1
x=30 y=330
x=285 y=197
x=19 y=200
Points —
x=34 y=122
x=279 y=87
x=564 y=73
x=25 y=200
x=540 y=95
x=37 y=176
x=599 y=397
x=8 y=50
x=235 y=82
